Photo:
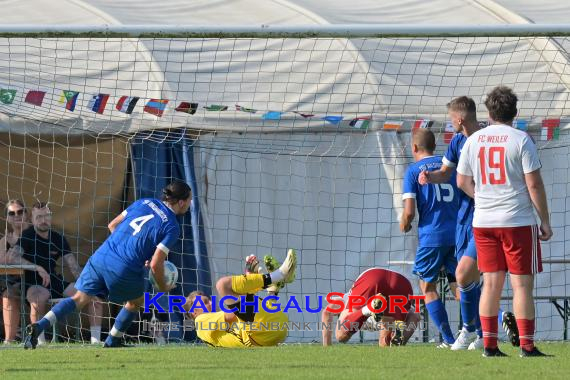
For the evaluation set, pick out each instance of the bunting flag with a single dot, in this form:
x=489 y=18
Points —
x=550 y=129
x=448 y=132
x=305 y=115
x=216 y=107
x=335 y=120
x=272 y=115
x=156 y=107
x=98 y=103
x=521 y=124
x=422 y=123
x=392 y=125
x=244 y=109
x=7 y=96
x=126 y=104
x=35 y=97
x=69 y=98
x=360 y=122
x=187 y=107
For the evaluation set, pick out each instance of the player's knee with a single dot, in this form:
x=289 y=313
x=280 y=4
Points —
x=38 y=295
x=342 y=336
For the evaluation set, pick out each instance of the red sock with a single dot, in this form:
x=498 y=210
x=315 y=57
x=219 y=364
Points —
x=354 y=321
x=526 y=333
x=490 y=326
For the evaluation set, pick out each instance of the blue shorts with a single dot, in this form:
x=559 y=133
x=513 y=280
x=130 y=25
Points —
x=105 y=279
x=430 y=260
x=465 y=242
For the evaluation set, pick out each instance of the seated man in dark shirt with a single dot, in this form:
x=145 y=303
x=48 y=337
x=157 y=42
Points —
x=42 y=246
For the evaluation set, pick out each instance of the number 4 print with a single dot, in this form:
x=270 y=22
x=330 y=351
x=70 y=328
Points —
x=137 y=223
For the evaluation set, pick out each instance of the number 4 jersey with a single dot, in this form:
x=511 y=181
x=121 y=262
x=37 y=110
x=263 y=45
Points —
x=437 y=204
x=147 y=224
x=498 y=157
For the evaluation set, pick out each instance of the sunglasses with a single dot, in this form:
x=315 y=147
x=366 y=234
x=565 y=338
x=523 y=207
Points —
x=13 y=213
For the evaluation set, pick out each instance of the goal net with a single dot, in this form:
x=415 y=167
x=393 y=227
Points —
x=297 y=139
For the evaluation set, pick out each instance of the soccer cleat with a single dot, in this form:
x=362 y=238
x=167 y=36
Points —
x=271 y=265
x=398 y=337
x=534 y=353
x=252 y=265
x=443 y=345
x=31 y=338
x=477 y=344
x=463 y=340
x=493 y=352
x=511 y=328
x=289 y=266
x=118 y=345
x=377 y=304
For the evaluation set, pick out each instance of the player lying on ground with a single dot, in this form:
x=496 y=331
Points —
x=244 y=328
x=372 y=282
x=142 y=235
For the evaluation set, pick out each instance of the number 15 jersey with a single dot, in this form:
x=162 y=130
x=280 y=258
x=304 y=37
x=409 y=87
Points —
x=147 y=224
x=498 y=157
x=437 y=204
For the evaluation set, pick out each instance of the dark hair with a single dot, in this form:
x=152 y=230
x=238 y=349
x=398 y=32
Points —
x=464 y=105
x=176 y=191
x=424 y=139
x=501 y=103
x=39 y=205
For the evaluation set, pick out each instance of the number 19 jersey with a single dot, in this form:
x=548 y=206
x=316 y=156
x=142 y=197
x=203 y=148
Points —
x=147 y=224
x=437 y=204
x=498 y=157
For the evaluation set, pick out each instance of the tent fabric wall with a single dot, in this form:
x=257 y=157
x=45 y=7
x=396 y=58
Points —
x=76 y=176
x=155 y=165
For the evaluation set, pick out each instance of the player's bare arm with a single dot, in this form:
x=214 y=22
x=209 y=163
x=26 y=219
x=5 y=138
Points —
x=115 y=222
x=408 y=214
x=326 y=319
x=437 y=176
x=466 y=184
x=537 y=194
x=157 y=268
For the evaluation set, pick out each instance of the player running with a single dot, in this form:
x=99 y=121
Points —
x=146 y=230
x=244 y=328
x=372 y=282
x=437 y=206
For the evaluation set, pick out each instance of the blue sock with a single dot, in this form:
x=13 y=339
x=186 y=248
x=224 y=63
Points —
x=478 y=320
x=439 y=317
x=469 y=302
x=57 y=313
x=122 y=323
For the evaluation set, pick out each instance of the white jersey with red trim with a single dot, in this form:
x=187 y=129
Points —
x=498 y=157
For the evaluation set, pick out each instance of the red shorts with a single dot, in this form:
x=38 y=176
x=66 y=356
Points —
x=512 y=249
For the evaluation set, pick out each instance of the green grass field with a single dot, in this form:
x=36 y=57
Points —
x=289 y=361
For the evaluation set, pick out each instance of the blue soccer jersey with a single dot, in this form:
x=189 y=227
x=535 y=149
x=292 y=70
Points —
x=147 y=224
x=437 y=204
x=451 y=159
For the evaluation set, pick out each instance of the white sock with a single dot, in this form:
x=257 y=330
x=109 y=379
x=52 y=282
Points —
x=365 y=311
x=276 y=276
x=95 y=334
x=42 y=338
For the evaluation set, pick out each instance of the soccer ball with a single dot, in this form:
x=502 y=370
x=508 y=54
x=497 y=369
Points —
x=170 y=275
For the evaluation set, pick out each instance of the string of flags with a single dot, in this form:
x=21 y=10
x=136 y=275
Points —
x=550 y=129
